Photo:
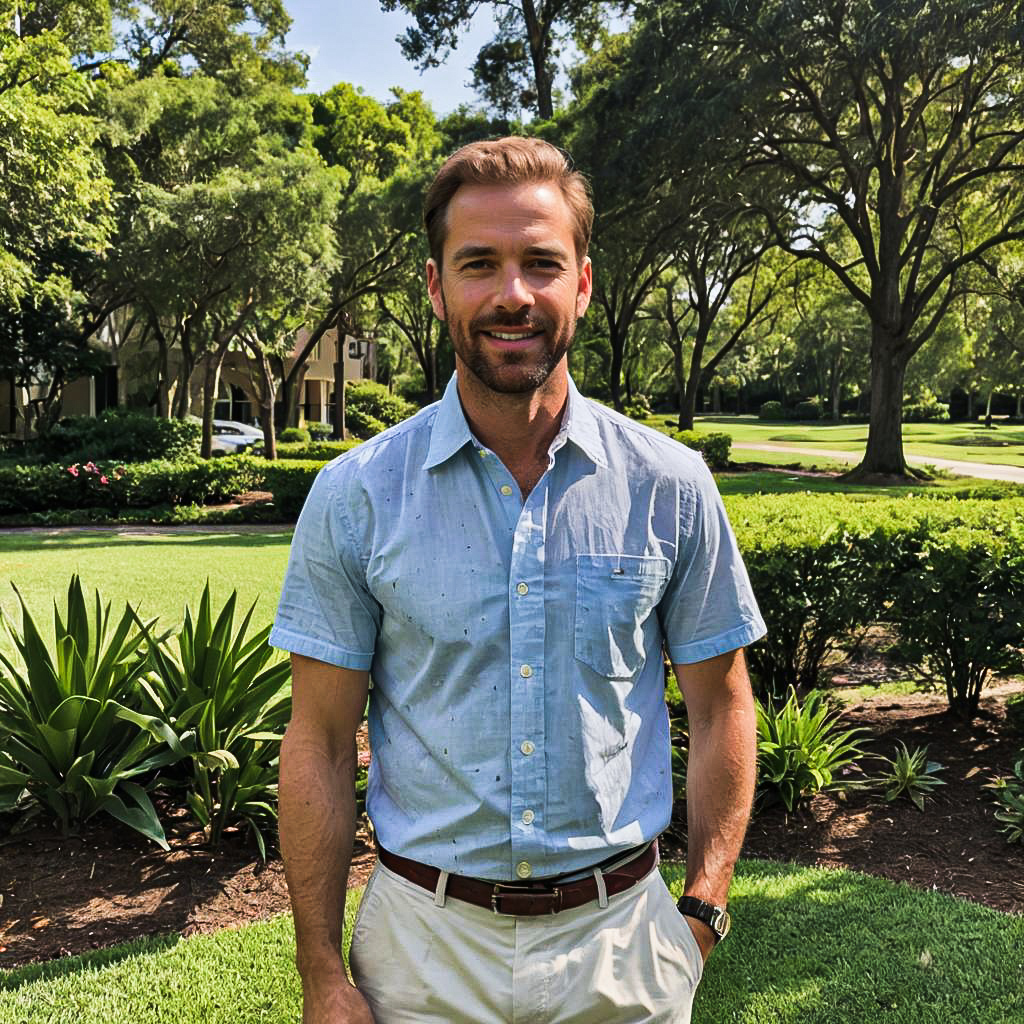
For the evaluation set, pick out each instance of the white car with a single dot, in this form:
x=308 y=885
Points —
x=231 y=437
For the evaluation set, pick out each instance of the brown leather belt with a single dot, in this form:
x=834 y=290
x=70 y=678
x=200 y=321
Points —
x=524 y=898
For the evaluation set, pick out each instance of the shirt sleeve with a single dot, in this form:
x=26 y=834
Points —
x=326 y=611
x=708 y=607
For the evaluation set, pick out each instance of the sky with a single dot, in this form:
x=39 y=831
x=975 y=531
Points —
x=354 y=41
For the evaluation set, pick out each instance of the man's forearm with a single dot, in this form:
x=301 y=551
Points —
x=317 y=824
x=721 y=772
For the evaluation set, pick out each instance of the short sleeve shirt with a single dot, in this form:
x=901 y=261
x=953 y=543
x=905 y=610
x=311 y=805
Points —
x=517 y=718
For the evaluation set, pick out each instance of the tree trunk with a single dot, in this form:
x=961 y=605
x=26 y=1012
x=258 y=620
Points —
x=884 y=454
x=211 y=380
x=988 y=408
x=837 y=388
x=615 y=370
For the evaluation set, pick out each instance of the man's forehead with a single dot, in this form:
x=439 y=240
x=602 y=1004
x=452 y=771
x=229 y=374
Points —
x=535 y=211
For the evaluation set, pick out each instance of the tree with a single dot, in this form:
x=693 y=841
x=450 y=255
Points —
x=516 y=68
x=894 y=118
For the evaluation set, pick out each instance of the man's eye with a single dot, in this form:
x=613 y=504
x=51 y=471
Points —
x=475 y=265
x=543 y=264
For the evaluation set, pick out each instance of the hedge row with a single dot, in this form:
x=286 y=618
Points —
x=947 y=577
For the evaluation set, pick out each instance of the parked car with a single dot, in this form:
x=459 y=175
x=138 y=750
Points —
x=230 y=437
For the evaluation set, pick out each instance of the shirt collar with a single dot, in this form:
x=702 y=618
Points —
x=450 y=432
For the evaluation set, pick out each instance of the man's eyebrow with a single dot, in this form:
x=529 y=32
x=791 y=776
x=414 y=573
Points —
x=472 y=252
x=551 y=252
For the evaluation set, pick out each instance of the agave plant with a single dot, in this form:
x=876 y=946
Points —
x=910 y=773
x=74 y=740
x=229 y=699
x=801 y=749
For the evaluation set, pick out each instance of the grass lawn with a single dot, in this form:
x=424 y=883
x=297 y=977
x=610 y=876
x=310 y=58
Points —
x=159 y=574
x=969 y=442
x=808 y=946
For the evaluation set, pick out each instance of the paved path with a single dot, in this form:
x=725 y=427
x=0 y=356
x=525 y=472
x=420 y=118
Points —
x=982 y=470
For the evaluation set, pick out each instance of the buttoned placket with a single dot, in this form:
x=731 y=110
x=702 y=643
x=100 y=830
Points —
x=527 y=738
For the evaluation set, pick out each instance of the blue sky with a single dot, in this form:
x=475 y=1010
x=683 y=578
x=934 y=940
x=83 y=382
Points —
x=354 y=41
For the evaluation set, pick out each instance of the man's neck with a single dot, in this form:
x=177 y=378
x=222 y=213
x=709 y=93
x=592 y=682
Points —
x=519 y=429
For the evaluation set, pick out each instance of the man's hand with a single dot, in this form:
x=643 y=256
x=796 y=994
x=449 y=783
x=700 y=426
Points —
x=336 y=1001
x=703 y=934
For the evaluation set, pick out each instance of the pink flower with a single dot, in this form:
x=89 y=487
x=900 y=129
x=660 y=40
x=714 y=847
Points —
x=90 y=467
x=73 y=470
x=104 y=480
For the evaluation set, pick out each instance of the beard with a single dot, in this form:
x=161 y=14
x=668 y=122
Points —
x=511 y=373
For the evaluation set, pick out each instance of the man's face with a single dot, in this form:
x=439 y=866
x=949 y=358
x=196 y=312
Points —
x=510 y=289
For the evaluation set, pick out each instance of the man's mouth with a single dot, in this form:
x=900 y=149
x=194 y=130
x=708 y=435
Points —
x=513 y=335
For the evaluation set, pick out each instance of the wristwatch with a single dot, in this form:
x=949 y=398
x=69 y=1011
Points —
x=716 y=918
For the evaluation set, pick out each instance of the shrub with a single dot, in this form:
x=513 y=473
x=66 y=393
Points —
x=228 y=698
x=73 y=741
x=639 y=408
x=959 y=609
x=132 y=485
x=294 y=434
x=1009 y=793
x=771 y=411
x=801 y=749
x=928 y=410
x=322 y=450
x=319 y=431
x=714 y=447
x=1015 y=711
x=121 y=435
x=371 y=408
x=289 y=482
x=910 y=774
x=809 y=410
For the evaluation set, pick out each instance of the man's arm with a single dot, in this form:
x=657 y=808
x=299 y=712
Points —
x=720 y=776
x=317 y=825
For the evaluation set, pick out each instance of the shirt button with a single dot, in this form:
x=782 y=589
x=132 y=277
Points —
x=522 y=588
x=527 y=747
x=506 y=490
x=527 y=817
x=483 y=452
x=523 y=870
x=525 y=671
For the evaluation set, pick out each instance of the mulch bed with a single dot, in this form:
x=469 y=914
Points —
x=62 y=896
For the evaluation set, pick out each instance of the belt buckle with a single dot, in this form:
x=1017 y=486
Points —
x=522 y=892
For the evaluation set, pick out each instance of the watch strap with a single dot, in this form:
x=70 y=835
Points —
x=716 y=918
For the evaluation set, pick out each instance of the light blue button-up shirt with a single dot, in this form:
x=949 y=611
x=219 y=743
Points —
x=517 y=717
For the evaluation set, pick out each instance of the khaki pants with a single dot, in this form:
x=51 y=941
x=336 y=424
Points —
x=429 y=960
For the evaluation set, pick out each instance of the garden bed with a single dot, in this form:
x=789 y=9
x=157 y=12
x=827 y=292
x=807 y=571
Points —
x=63 y=896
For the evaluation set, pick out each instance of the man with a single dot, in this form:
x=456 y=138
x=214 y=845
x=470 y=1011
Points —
x=511 y=564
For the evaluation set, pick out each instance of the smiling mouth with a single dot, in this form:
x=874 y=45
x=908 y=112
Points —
x=513 y=336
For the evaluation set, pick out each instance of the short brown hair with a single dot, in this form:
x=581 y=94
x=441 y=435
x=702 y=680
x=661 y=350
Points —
x=509 y=161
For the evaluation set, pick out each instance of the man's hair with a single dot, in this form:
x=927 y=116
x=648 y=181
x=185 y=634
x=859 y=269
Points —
x=508 y=161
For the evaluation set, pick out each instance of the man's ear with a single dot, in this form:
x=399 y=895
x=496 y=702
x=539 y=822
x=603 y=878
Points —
x=434 y=289
x=584 y=287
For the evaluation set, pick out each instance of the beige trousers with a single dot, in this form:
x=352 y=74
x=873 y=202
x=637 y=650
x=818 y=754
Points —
x=421 y=958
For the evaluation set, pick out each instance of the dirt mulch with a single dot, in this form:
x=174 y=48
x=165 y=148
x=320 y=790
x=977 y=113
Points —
x=64 y=896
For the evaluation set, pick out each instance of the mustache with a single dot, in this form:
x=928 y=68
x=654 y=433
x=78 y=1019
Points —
x=498 y=321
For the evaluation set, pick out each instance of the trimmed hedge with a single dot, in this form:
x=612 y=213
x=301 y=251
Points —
x=322 y=450
x=714 y=447
x=122 y=435
x=125 y=485
x=371 y=408
x=289 y=481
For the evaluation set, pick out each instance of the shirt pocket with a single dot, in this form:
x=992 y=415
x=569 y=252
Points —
x=615 y=595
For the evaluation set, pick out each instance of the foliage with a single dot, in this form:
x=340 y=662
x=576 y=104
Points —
x=959 y=608
x=927 y=410
x=138 y=485
x=771 y=411
x=910 y=774
x=290 y=435
x=289 y=481
x=801 y=749
x=319 y=431
x=322 y=451
x=680 y=756
x=228 y=698
x=374 y=400
x=71 y=735
x=714 y=447
x=809 y=410
x=1009 y=792
x=123 y=435
x=1015 y=711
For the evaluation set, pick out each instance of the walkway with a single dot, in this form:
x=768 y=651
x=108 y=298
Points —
x=981 y=470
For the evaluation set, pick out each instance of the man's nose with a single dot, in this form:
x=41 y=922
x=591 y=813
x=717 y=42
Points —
x=513 y=292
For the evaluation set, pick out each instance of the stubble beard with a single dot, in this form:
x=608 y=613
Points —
x=531 y=375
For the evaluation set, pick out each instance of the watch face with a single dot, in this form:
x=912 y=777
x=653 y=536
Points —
x=720 y=922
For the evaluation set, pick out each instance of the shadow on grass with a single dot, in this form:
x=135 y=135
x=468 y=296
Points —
x=74 y=538
x=13 y=979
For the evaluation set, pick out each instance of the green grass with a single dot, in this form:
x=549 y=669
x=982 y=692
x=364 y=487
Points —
x=809 y=946
x=157 y=574
x=967 y=442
